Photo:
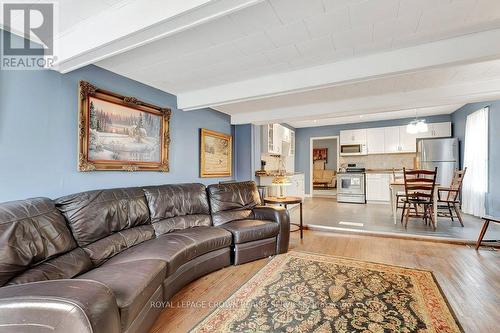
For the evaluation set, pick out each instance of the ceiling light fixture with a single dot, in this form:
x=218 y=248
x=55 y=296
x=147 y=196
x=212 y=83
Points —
x=417 y=126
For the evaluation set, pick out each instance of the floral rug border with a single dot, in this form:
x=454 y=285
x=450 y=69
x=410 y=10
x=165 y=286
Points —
x=272 y=268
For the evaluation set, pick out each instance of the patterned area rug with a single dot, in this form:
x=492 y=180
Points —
x=303 y=292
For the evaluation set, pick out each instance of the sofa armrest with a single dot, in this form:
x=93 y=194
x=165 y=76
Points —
x=279 y=215
x=59 y=306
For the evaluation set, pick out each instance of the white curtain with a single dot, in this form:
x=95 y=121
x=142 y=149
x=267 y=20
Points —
x=475 y=185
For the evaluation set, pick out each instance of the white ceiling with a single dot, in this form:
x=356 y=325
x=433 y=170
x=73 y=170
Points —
x=305 y=62
x=282 y=35
x=432 y=92
x=70 y=12
x=388 y=115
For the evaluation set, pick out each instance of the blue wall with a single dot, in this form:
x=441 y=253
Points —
x=459 y=119
x=38 y=134
x=243 y=152
x=303 y=136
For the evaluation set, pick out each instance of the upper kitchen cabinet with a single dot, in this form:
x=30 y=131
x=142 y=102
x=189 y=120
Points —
x=292 y=143
x=285 y=134
x=391 y=140
x=440 y=130
x=353 y=137
x=278 y=140
x=407 y=141
x=272 y=139
x=375 y=140
x=437 y=130
x=398 y=140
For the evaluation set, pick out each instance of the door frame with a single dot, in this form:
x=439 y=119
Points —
x=311 y=166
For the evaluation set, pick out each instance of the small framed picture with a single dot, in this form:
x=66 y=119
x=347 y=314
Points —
x=215 y=154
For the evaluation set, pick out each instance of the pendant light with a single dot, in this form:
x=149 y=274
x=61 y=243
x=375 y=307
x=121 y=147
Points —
x=417 y=126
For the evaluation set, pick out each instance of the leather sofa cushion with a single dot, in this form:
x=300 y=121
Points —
x=108 y=247
x=177 y=248
x=251 y=230
x=94 y=215
x=239 y=198
x=168 y=201
x=181 y=222
x=65 y=266
x=231 y=215
x=31 y=231
x=133 y=283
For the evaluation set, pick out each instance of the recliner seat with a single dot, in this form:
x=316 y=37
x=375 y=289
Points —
x=257 y=233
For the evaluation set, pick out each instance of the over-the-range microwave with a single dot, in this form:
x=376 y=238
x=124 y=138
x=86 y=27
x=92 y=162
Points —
x=353 y=149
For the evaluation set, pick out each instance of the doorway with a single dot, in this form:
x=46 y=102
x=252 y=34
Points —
x=324 y=163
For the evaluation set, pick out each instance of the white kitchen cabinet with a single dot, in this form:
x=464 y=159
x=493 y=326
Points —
x=290 y=156
x=440 y=130
x=394 y=139
x=397 y=140
x=272 y=137
x=391 y=140
x=407 y=141
x=437 y=130
x=353 y=137
x=285 y=133
x=375 y=140
x=377 y=187
x=297 y=187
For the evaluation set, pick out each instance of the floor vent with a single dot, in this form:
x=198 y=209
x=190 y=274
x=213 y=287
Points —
x=356 y=224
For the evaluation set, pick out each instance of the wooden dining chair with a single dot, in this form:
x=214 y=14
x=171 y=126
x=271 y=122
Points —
x=400 y=195
x=419 y=189
x=449 y=198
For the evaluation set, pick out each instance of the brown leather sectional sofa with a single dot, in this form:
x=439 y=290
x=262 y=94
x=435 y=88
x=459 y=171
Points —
x=97 y=261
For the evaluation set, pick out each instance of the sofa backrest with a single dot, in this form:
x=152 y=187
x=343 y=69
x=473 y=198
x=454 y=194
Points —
x=176 y=207
x=36 y=244
x=232 y=201
x=107 y=222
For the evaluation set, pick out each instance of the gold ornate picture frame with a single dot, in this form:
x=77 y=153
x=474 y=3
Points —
x=121 y=133
x=216 y=158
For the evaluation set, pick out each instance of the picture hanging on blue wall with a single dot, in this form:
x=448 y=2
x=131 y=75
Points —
x=121 y=133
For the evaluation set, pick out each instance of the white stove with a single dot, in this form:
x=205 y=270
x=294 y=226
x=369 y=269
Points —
x=351 y=184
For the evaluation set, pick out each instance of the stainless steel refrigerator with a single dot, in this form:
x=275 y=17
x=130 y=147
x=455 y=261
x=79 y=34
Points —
x=441 y=153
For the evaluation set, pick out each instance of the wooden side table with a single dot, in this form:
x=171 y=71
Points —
x=487 y=220
x=285 y=202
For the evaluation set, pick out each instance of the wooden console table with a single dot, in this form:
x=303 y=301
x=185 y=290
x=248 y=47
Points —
x=285 y=202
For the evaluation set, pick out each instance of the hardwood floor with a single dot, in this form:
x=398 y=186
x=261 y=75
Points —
x=327 y=212
x=469 y=279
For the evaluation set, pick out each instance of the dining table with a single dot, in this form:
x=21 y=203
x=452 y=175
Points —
x=399 y=186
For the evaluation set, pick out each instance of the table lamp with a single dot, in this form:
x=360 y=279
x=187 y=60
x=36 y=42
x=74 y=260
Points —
x=281 y=181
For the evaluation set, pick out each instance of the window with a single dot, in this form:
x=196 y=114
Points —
x=475 y=186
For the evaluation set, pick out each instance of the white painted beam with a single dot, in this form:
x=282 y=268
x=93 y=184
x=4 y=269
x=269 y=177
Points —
x=460 y=50
x=135 y=24
x=422 y=98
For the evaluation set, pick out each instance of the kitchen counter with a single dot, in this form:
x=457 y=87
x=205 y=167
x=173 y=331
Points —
x=273 y=174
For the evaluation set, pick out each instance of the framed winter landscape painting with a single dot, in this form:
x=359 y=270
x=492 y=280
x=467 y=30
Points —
x=121 y=133
x=215 y=154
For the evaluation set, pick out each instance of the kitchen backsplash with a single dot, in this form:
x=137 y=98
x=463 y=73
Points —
x=272 y=162
x=386 y=161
